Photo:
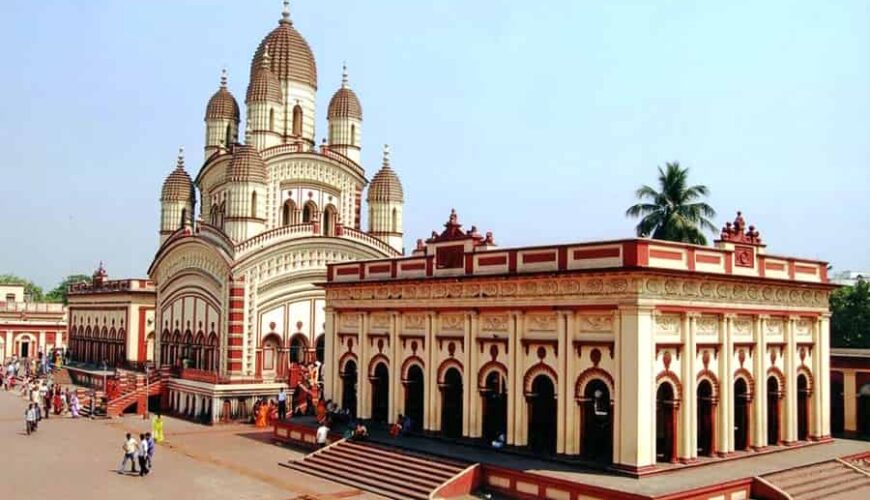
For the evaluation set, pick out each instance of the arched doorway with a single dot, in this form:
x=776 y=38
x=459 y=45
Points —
x=494 y=406
x=270 y=355
x=320 y=348
x=773 y=413
x=741 y=414
x=451 y=404
x=542 y=415
x=414 y=397
x=706 y=424
x=838 y=414
x=666 y=423
x=597 y=432
x=328 y=222
x=381 y=393
x=298 y=346
x=803 y=408
x=348 y=387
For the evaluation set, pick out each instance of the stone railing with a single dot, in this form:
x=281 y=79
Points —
x=31 y=307
x=197 y=375
x=357 y=235
x=277 y=234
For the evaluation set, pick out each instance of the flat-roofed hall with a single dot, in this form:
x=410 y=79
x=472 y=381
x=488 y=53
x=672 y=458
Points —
x=629 y=352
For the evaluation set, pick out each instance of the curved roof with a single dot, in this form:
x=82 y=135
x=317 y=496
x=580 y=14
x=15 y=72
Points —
x=246 y=164
x=222 y=105
x=178 y=186
x=385 y=185
x=344 y=104
x=264 y=86
x=291 y=56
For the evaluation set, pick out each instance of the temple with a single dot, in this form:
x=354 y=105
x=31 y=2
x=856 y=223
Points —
x=633 y=353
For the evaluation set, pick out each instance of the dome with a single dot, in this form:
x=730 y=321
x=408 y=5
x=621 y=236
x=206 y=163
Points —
x=264 y=86
x=222 y=105
x=344 y=104
x=246 y=165
x=291 y=57
x=385 y=185
x=178 y=186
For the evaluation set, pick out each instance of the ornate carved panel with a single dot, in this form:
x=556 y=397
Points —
x=668 y=324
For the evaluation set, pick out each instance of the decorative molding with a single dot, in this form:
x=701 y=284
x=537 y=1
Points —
x=526 y=343
x=377 y=359
x=579 y=344
x=712 y=378
x=668 y=324
x=598 y=323
x=673 y=379
x=590 y=374
x=749 y=379
x=486 y=369
x=446 y=365
x=412 y=360
x=494 y=323
x=539 y=368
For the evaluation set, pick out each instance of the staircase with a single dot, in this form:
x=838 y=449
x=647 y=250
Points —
x=62 y=377
x=85 y=404
x=133 y=388
x=833 y=479
x=380 y=470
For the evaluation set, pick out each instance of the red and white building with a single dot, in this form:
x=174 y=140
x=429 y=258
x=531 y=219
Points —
x=28 y=328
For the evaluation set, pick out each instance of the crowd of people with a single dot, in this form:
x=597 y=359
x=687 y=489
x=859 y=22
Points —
x=141 y=452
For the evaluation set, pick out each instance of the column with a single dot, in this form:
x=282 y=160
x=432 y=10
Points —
x=572 y=427
x=635 y=399
x=850 y=410
x=823 y=376
x=363 y=382
x=475 y=409
x=397 y=402
x=330 y=374
x=759 y=392
x=688 y=436
x=561 y=389
x=726 y=385
x=789 y=363
x=467 y=386
x=518 y=397
x=431 y=392
x=512 y=368
x=816 y=403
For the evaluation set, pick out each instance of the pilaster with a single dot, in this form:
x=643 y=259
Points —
x=512 y=368
x=789 y=363
x=561 y=389
x=688 y=434
x=397 y=402
x=726 y=384
x=363 y=402
x=759 y=401
x=635 y=398
x=330 y=375
x=475 y=425
x=467 y=386
x=431 y=392
x=823 y=376
x=572 y=420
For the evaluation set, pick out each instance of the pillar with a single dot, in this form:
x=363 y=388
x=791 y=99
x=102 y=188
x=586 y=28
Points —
x=430 y=391
x=725 y=430
x=572 y=418
x=790 y=365
x=518 y=397
x=815 y=401
x=330 y=371
x=561 y=388
x=512 y=368
x=850 y=400
x=687 y=439
x=474 y=408
x=397 y=403
x=635 y=397
x=759 y=400
x=467 y=388
x=823 y=376
x=363 y=385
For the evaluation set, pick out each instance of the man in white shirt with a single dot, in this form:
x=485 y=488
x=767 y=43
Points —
x=130 y=446
x=322 y=435
x=282 y=404
x=142 y=454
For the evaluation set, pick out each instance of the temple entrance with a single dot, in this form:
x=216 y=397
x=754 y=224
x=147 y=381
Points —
x=706 y=426
x=772 y=411
x=741 y=415
x=348 y=387
x=666 y=424
x=414 y=397
x=297 y=349
x=451 y=404
x=803 y=408
x=320 y=348
x=542 y=415
x=838 y=414
x=494 y=407
x=381 y=393
x=597 y=432
x=24 y=349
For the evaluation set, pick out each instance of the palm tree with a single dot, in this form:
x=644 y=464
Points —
x=674 y=213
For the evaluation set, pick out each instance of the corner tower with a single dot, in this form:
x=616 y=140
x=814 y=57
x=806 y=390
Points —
x=345 y=121
x=221 y=119
x=246 y=191
x=386 y=202
x=176 y=200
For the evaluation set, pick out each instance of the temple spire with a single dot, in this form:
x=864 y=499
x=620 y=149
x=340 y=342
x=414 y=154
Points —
x=285 y=13
x=386 y=156
x=344 y=83
x=179 y=164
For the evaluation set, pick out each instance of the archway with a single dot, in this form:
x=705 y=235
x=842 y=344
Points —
x=308 y=212
x=348 y=387
x=320 y=348
x=288 y=213
x=666 y=422
x=494 y=406
x=542 y=415
x=742 y=404
x=773 y=410
x=270 y=355
x=597 y=432
x=381 y=393
x=298 y=346
x=414 y=396
x=706 y=424
x=451 y=403
x=838 y=414
x=328 y=222
x=803 y=408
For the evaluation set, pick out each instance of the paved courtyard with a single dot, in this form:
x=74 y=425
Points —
x=75 y=459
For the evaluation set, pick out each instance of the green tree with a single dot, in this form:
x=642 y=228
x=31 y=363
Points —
x=59 y=294
x=850 y=319
x=30 y=288
x=675 y=212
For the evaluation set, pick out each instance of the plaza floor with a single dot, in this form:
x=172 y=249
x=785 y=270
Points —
x=76 y=459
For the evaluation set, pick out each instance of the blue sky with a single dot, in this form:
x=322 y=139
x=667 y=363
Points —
x=535 y=120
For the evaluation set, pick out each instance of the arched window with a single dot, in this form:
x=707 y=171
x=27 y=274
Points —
x=183 y=216
x=394 y=222
x=297 y=120
x=229 y=136
x=254 y=204
x=353 y=134
x=271 y=119
x=329 y=221
x=308 y=212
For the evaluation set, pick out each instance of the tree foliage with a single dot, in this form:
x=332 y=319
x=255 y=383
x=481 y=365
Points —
x=59 y=293
x=675 y=212
x=30 y=289
x=850 y=320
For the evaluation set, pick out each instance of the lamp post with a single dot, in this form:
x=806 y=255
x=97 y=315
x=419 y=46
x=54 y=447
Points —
x=147 y=390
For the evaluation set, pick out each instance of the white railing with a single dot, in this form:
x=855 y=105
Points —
x=31 y=307
x=274 y=235
x=357 y=235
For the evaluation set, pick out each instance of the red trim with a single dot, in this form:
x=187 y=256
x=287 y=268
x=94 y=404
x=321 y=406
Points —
x=708 y=259
x=413 y=266
x=512 y=262
x=665 y=254
x=330 y=273
x=234 y=354
x=601 y=253
x=237 y=304
x=430 y=265
x=234 y=341
x=737 y=310
x=141 y=341
x=347 y=271
x=237 y=316
x=379 y=268
x=394 y=269
x=691 y=259
x=535 y=258
x=237 y=329
x=791 y=270
x=237 y=292
x=497 y=260
x=469 y=263
x=642 y=253
x=563 y=258
x=234 y=366
x=729 y=263
x=774 y=266
x=804 y=269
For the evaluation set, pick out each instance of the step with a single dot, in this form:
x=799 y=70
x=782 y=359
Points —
x=378 y=487
x=827 y=487
x=371 y=473
x=796 y=483
x=406 y=456
x=429 y=482
x=394 y=463
x=802 y=471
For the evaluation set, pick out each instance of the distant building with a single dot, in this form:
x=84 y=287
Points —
x=112 y=320
x=850 y=278
x=28 y=328
x=850 y=391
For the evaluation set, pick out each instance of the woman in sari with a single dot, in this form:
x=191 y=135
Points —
x=157 y=429
x=262 y=415
x=56 y=402
x=74 y=405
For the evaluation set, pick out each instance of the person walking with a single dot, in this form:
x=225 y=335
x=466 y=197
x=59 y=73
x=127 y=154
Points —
x=29 y=419
x=74 y=405
x=322 y=436
x=282 y=404
x=151 y=446
x=130 y=446
x=157 y=428
x=142 y=455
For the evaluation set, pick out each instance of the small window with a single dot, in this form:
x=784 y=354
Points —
x=183 y=216
x=297 y=120
x=394 y=225
x=10 y=297
x=271 y=119
x=229 y=136
x=254 y=204
x=353 y=135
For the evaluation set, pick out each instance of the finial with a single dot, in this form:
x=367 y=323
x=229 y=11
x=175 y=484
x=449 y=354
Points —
x=344 y=75
x=285 y=14
x=179 y=164
x=223 y=78
x=386 y=155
